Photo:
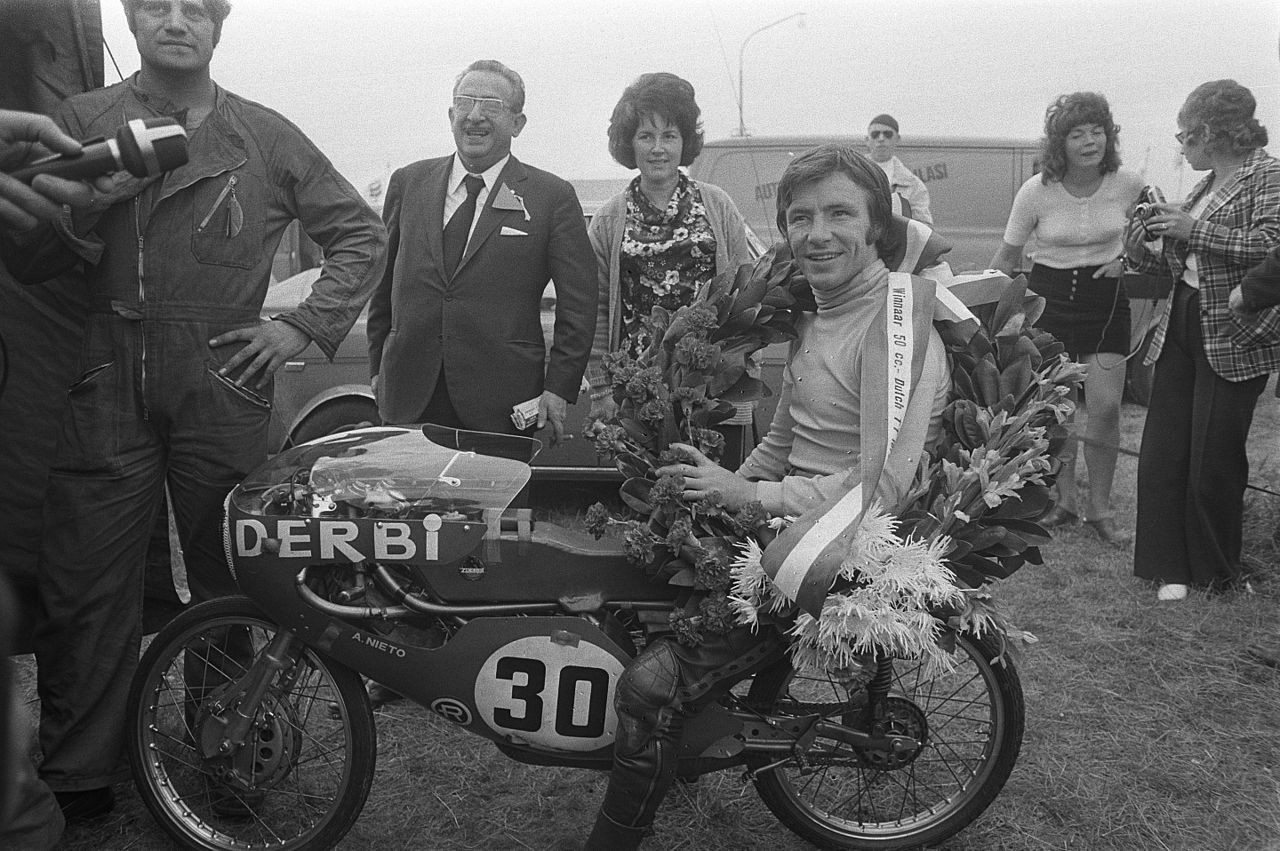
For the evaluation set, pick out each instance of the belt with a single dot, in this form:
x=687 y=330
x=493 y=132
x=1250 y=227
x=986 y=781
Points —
x=212 y=313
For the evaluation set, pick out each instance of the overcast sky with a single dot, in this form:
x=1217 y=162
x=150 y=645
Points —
x=369 y=80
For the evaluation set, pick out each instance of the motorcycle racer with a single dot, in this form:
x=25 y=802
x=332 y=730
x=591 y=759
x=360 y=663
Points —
x=833 y=206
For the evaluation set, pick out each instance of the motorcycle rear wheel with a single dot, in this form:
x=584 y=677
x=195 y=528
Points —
x=970 y=722
x=303 y=775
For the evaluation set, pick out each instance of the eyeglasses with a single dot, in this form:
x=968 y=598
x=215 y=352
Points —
x=1183 y=136
x=489 y=107
x=881 y=134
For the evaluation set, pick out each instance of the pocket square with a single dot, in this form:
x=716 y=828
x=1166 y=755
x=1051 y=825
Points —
x=510 y=231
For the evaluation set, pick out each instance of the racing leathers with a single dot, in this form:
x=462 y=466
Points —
x=185 y=260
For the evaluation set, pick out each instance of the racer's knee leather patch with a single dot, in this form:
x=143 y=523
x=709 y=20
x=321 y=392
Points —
x=647 y=697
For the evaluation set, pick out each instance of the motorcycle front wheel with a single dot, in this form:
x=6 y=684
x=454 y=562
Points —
x=303 y=773
x=969 y=726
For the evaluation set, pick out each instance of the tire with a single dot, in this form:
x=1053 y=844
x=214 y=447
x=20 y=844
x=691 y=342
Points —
x=970 y=721
x=334 y=417
x=304 y=773
x=1138 y=377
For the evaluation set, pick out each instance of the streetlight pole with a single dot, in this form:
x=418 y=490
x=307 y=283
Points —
x=742 y=125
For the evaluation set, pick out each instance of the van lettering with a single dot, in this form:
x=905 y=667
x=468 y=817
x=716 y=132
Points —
x=765 y=191
x=929 y=173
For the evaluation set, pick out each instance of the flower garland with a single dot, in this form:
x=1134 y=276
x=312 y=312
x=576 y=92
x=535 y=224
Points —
x=887 y=593
x=967 y=519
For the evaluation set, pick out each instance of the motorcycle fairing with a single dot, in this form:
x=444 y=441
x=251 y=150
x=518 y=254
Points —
x=397 y=496
x=550 y=564
x=545 y=683
x=297 y=541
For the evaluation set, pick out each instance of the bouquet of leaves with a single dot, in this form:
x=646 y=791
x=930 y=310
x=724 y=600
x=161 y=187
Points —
x=967 y=519
x=697 y=365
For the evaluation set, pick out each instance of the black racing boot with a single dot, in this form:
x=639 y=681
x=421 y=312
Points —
x=608 y=835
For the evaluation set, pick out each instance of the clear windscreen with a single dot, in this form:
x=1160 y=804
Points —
x=392 y=472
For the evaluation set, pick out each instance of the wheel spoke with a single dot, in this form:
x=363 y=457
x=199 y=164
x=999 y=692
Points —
x=299 y=778
x=968 y=726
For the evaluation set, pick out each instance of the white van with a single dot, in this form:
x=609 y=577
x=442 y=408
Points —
x=971 y=182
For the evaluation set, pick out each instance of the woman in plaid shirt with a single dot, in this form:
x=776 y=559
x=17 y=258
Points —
x=1210 y=364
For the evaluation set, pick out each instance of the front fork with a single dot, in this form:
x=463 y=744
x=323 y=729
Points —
x=236 y=709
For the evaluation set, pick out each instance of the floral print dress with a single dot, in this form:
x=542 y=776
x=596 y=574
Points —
x=666 y=255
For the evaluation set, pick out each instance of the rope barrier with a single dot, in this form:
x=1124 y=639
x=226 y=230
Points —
x=1073 y=437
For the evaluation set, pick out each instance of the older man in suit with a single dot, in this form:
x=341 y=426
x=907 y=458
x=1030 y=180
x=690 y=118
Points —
x=455 y=336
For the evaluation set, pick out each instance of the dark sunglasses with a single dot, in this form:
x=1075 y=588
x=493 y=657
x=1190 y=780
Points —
x=881 y=134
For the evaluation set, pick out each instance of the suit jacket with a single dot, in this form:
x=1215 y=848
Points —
x=482 y=325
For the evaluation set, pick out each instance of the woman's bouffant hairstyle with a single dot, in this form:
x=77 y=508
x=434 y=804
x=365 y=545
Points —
x=655 y=94
x=821 y=162
x=1226 y=108
x=216 y=9
x=1064 y=115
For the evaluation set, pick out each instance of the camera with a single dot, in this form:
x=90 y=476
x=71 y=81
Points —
x=1148 y=198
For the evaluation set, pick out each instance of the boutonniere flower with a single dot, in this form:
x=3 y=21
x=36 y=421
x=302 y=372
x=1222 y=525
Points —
x=508 y=200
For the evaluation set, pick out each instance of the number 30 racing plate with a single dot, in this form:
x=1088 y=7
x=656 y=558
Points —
x=551 y=694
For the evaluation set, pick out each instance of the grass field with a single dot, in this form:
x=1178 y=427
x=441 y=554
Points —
x=1148 y=727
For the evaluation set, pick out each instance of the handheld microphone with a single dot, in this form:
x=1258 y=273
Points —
x=143 y=147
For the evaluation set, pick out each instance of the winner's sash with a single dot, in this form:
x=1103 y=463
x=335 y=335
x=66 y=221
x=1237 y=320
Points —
x=899 y=382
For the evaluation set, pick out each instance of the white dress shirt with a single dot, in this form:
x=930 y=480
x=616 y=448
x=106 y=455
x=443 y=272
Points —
x=457 y=191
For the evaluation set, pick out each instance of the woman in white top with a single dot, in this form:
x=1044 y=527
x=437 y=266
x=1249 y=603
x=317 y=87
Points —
x=1077 y=209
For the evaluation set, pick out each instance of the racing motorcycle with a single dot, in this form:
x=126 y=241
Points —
x=389 y=552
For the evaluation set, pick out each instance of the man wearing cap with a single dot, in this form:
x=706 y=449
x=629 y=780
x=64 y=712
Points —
x=882 y=143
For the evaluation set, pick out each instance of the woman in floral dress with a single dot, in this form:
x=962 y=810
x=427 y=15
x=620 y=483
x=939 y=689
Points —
x=663 y=236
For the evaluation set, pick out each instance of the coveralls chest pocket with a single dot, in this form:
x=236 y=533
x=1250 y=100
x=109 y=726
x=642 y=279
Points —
x=227 y=225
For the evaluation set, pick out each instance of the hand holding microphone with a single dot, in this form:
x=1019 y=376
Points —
x=22 y=206
x=145 y=148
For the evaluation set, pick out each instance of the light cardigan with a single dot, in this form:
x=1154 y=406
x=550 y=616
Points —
x=608 y=226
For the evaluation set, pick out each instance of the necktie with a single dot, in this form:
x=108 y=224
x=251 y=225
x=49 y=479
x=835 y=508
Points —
x=459 y=226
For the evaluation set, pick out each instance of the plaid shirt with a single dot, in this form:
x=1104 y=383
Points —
x=1236 y=230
